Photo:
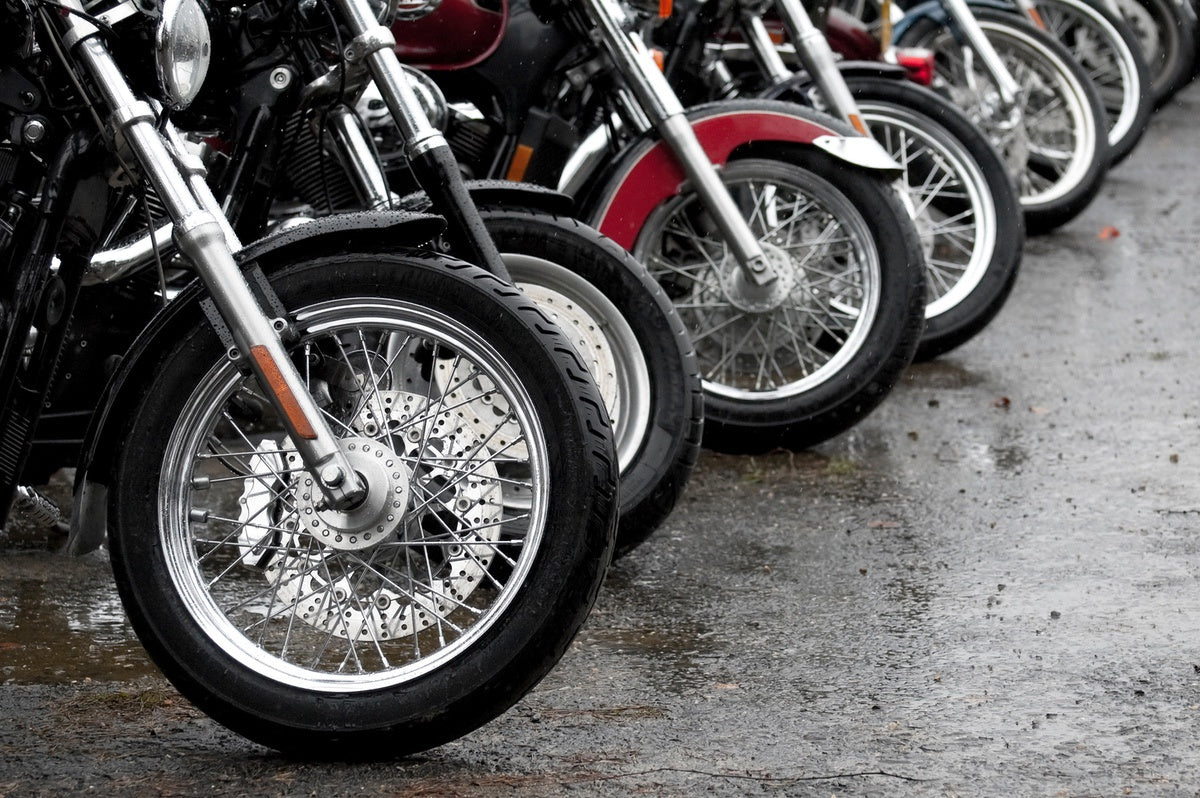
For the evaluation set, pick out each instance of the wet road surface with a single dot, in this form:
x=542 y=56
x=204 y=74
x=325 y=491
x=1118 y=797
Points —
x=989 y=587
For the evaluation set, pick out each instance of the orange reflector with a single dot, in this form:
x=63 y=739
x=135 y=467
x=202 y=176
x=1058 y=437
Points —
x=857 y=122
x=283 y=393
x=664 y=8
x=657 y=55
x=1037 y=18
x=520 y=162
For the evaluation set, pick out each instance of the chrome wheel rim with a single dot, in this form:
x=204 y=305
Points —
x=829 y=290
x=602 y=336
x=1047 y=141
x=955 y=211
x=296 y=594
x=1097 y=47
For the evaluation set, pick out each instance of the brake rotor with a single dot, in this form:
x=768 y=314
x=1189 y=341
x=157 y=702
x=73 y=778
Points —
x=422 y=559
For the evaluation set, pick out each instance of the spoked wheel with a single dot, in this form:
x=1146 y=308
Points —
x=805 y=357
x=1167 y=37
x=633 y=342
x=1054 y=139
x=964 y=203
x=446 y=594
x=1107 y=49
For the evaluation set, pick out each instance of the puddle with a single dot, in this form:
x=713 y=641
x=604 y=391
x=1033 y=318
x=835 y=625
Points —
x=61 y=620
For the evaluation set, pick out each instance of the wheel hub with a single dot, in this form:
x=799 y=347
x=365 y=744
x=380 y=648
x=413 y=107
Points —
x=376 y=517
x=431 y=482
x=748 y=296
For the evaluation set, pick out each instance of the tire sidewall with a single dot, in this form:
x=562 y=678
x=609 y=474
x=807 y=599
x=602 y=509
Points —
x=504 y=663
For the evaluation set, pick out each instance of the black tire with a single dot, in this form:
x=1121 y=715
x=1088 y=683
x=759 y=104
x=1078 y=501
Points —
x=864 y=359
x=972 y=230
x=1108 y=50
x=490 y=659
x=658 y=450
x=1168 y=41
x=1053 y=190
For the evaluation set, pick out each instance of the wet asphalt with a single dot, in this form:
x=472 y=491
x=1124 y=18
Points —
x=989 y=587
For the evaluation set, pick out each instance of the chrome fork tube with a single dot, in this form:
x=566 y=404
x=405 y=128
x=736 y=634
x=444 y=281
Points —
x=813 y=50
x=203 y=234
x=359 y=158
x=662 y=107
x=977 y=41
x=429 y=154
x=374 y=45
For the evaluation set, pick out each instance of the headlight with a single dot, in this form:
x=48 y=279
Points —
x=183 y=48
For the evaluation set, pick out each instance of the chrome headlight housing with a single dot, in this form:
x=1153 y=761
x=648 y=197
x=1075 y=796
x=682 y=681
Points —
x=183 y=49
x=409 y=10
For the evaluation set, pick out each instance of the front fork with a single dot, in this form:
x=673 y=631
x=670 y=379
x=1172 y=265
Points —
x=814 y=52
x=429 y=155
x=203 y=234
x=662 y=108
x=977 y=43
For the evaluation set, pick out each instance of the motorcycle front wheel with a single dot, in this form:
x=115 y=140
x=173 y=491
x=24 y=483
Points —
x=1167 y=37
x=634 y=343
x=966 y=208
x=1054 y=140
x=435 y=604
x=1107 y=49
x=793 y=363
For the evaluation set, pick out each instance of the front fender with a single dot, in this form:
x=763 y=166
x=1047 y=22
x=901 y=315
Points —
x=796 y=87
x=367 y=231
x=647 y=173
x=503 y=194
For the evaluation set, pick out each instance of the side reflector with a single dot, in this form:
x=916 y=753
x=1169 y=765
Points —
x=520 y=162
x=278 y=386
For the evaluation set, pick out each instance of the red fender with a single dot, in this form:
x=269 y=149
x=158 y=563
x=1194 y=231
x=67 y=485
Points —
x=648 y=173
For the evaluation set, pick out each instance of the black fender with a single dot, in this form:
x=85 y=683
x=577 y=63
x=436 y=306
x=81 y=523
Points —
x=365 y=231
x=646 y=172
x=503 y=194
x=798 y=84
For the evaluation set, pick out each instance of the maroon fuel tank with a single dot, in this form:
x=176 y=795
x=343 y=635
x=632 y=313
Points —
x=456 y=35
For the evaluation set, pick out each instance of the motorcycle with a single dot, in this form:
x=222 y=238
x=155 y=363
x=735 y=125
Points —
x=284 y=96
x=1022 y=87
x=1094 y=34
x=358 y=496
x=958 y=188
x=773 y=229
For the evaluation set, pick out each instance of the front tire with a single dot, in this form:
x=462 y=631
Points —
x=284 y=621
x=968 y=214
x=637 y=349
x=796 y=364
x=1107 y=49
x=1168 y=42
x=1055 y=141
